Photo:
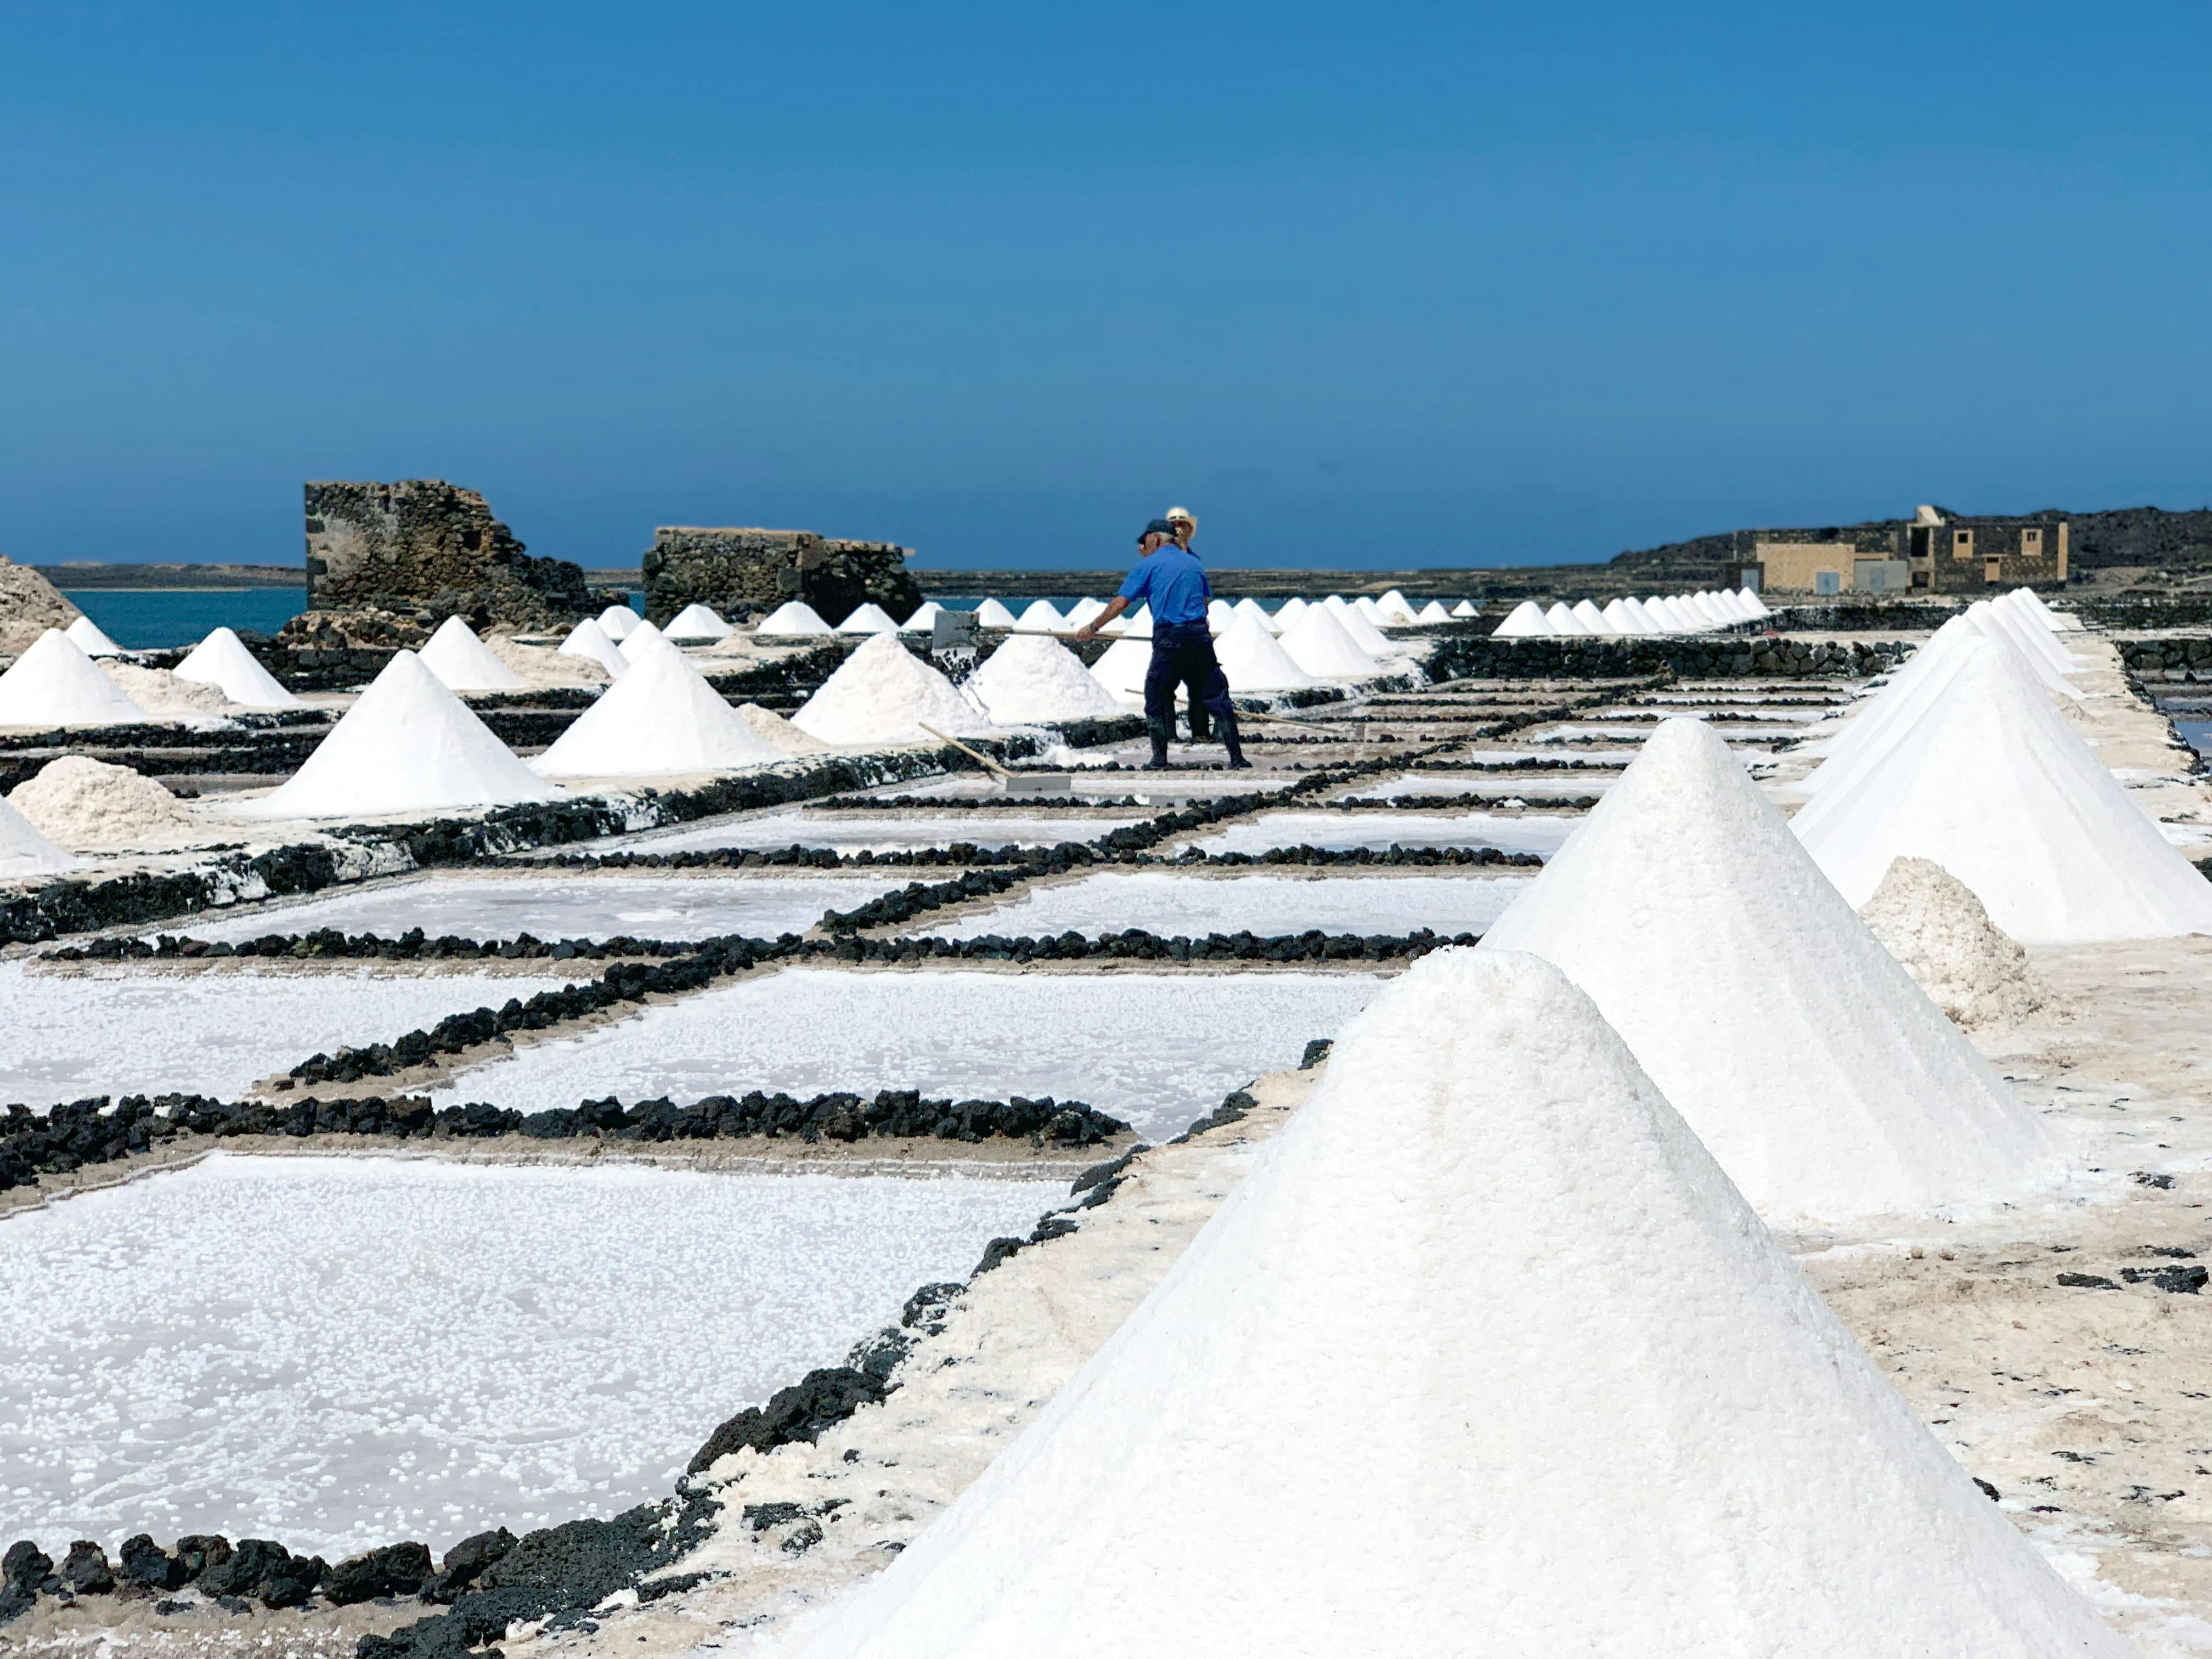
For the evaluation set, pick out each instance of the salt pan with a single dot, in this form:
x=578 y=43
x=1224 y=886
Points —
x=407 y=744
x=223 y=660
x=661 y=717
x=1824 y=1080
x=55 y=684
x=1034 y=679
x=883 y=693
x=461 y=662
x=1411 y=1310
x=91 y=640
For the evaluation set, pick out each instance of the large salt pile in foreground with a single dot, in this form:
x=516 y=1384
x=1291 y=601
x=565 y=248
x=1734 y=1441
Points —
x=221 y=659
x=92 y=639
x=1990 y=782
x=883 y=693
x=91 y=806
x=24 y=852
x=55 y=684
x=1401 y=1396
x=1932 y=923
x=1034 y=679
x=659 y=717
x=463 y=662
x=1317 y=643
x=407 y=744
x=1254 y=660
x=1824 y=1080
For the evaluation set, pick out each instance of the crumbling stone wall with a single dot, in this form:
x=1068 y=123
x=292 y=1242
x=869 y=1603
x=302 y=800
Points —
x=413 y=553
x=29 y=605
x=736 y=571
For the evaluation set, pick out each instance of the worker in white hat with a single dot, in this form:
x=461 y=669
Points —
x=1170 y=580
x=1184 y=526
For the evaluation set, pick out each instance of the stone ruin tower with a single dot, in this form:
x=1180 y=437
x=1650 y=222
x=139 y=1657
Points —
x=389 y=561
x=740 y=572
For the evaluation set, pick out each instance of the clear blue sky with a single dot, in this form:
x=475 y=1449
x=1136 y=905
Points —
x=1394 y=285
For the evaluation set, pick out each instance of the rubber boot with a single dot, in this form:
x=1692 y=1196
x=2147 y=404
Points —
x=1237 y=761
x=1160 y=735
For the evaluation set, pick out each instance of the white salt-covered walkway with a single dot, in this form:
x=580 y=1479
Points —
x=1195 y=905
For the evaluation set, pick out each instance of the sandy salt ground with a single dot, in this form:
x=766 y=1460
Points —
x=855 y=832
x=446 y=1348
x=1195 y=905
x=762 y=904
x=1537 y=786
x=1340 y=830
x=118 y=1031
x=1157 y=1049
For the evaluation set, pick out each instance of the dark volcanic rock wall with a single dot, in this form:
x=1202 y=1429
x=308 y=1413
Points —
x=736 y=571
x=423 y=546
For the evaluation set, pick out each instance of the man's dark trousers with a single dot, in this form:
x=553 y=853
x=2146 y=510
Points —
x=1183 y=655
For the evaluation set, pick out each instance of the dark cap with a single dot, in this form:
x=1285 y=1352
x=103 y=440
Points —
x=1157 y=527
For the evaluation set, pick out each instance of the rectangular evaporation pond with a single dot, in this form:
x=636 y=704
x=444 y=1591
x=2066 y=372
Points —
x=1626 y=733
x=1157 y=1049
x=1536 y=785
x=761 y=904
x=858 y=832
x=1198 y=787
x=1194 y=906
x=339 y=1353
x=1342 y=831
x=145 y=1030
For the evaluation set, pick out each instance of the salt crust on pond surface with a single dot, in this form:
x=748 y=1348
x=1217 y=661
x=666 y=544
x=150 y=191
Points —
x=758 y=904
x=1820 y=1076
x=1339 y=831
x=1412 y=1309
x=407 y=744
x=54 y=684
x=463 y=662
x=779 y=733
x=221 y=659
x=444 y=1349
x=883 y=693
x=1194 y=906
x=90 y=806
x=1990 y=781
x=1157 y=1049
x=853 y=832
x=120 y=1031
x=1932 y=923
x=662 y=717
x=24 y=852
x=1034 y=679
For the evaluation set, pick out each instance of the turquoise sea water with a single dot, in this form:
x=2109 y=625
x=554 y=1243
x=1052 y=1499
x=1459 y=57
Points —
x=150 y=619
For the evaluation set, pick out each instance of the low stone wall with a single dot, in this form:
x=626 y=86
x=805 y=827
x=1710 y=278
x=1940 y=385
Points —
x=1696 y=657
x=2184 y=661
x=741 y=573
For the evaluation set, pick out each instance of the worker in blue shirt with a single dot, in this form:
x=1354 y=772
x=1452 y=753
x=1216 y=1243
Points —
x=1170 y=580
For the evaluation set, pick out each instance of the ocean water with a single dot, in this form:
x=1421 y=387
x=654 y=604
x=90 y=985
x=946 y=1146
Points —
x=155 y=619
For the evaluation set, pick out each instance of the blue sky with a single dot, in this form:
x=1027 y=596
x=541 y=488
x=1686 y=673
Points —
x=1365 y=286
